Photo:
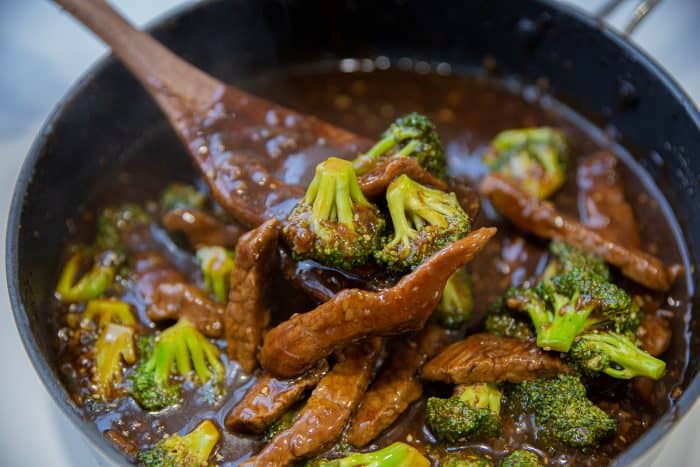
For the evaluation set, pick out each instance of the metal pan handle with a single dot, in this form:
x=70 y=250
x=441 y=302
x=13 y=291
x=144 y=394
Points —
x=641 y=11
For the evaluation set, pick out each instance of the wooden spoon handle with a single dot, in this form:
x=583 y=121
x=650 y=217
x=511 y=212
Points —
x=176 y=85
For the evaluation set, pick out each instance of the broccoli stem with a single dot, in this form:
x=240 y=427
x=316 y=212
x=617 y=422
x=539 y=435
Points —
x=108 y=310
x=481 y=396
x=395 y=455
x=90 y=286
x=115 y=343
x=192 y=449
x=333 y=191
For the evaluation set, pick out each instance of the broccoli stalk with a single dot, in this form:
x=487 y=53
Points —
x=181 y=348
x=395 y=455
x=181 y=196
x=114 y=345
x=613 y=354
x=424 y=219
x=562 y=411
x=334 y=223
x=190 y=450
x=412 y=135
x=104 y=311
x=535 y=158
x=472 y=412
x=522 y=458
x=216 y=263
x=457 y=303
x=89 y=286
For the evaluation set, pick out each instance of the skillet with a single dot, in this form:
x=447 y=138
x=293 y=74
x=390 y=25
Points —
x=88 y=135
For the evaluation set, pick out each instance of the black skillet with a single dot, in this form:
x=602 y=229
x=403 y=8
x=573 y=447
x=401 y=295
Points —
x=585 y=65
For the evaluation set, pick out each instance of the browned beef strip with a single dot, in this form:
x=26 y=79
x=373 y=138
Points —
x=485 y=358
x=294 y=345
x=170 y=296
x=328 y=409
x=247 y=311
x=397 y=385
x=201 y=228
x=374 y=182
x=542 y=219
x=601 y=199
x=269 y=398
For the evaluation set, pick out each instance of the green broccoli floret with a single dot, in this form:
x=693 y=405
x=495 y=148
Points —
x=567 y=258
x=190 y=450
x=522 y=458
x=395 y=455
x=567 y=304
x=334 y=223
x=562 y=411
x=178 y=349
x=473 y=412
x=447 y=457
x=412 y=135
x=181 y=196
x=114 y=223
x=424 y=220
x=501 y=322
x=216 y=263
x=457 y=303
x=613 y=354
x=93 y=283
x=535 y=158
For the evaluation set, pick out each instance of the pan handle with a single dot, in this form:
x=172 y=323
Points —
x=640 y=12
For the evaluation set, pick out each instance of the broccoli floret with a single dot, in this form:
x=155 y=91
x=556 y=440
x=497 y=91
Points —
x=114 y=223
x=613 y=354
x=216 y=263
x=562 y=411
x=181 y=348
x=395 y=455
x=536 y=158
x=448 y=457
x=472 y=412
x=500 y=322
x=565 y=305
x=108 y=310
x=93 y=283
x=181 y=196
x=334 y=223
x=522 y=458
x=114 y=345
x=568 y=258
x=190 y=450
x=412 y=135
x=457 y=303
x=424 y=220
x=284 y=422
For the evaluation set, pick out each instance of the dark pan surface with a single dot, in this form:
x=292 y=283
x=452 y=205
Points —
x=88 y=135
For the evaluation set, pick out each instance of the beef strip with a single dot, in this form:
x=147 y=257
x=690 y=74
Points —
x=601 y=199
x=201 y=228
x=485 y=358
x=294 y=345
x=542 y=219
x=328 y=409
x=397 y=385
x=269 y=398
x=247 y=312
x=374 y=182
x=169 y=296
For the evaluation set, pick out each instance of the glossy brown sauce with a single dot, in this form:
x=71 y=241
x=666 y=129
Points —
x=468 y=112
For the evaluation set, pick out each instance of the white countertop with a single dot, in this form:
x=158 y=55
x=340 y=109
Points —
x=43 y=52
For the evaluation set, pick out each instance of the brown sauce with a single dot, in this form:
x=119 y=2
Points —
x=468 y=111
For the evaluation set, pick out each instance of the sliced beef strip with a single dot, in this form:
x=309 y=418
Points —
x=294 y=345
x=542 y=219
x=201 y=228
x=374 y=182
x=247 y=311
x=485 y=358
x=601 y=199
x=322 y=420
x=397 y=385
x=269 y=398
x=169 y=296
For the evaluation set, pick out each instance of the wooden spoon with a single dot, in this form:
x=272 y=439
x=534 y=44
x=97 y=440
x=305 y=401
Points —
x=237 y=140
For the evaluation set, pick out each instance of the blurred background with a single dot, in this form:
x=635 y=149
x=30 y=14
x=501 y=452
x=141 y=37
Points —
x=43 y=52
